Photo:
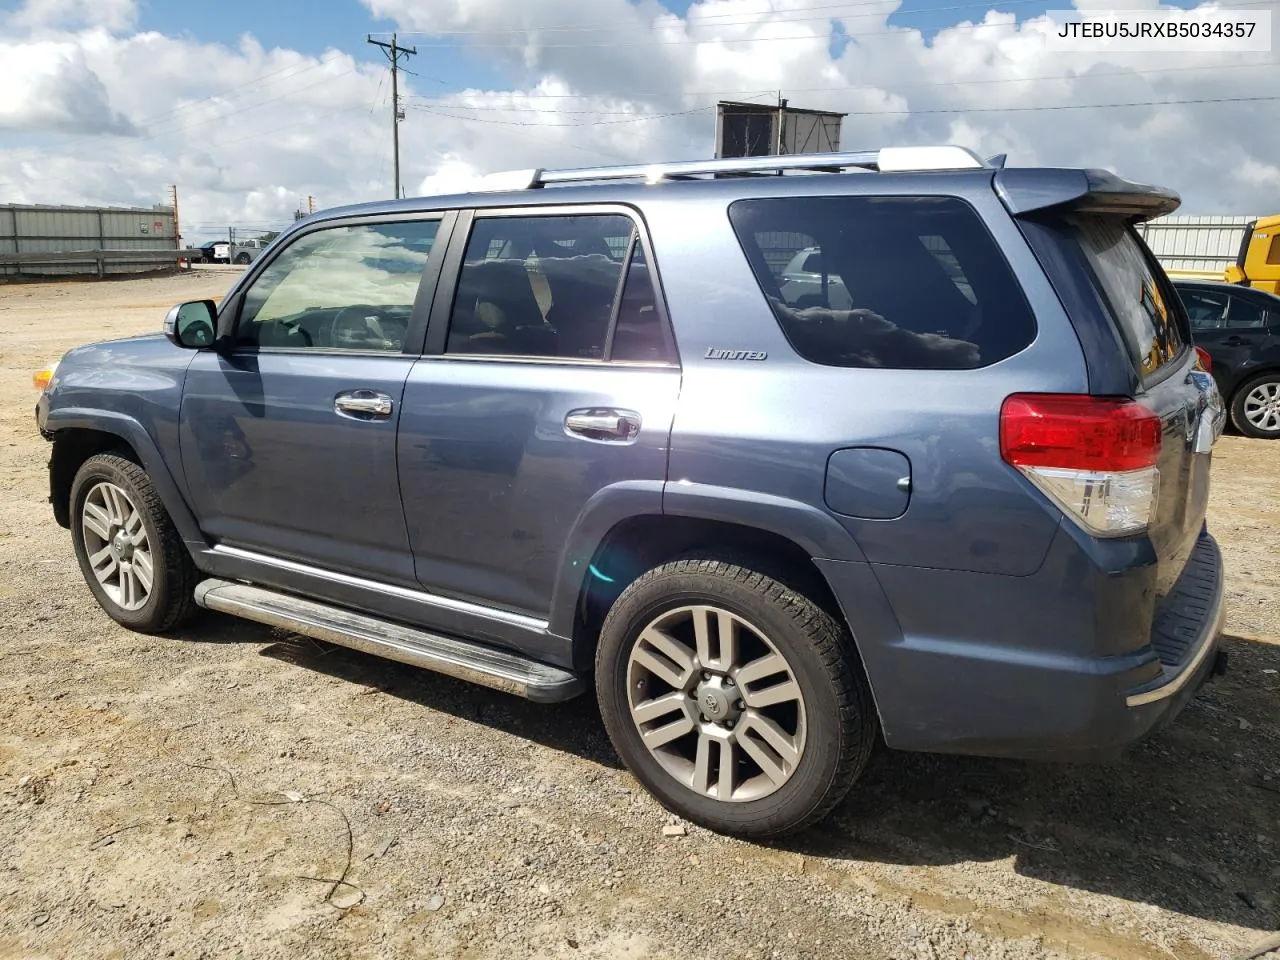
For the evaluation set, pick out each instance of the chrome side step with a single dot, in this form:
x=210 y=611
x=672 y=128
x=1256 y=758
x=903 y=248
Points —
x=487 y=666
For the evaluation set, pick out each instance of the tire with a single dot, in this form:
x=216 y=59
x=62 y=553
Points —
x=1259 y=397
x=829 y=726
x=112 y=490
x=243 y=259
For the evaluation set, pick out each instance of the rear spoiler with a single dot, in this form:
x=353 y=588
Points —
x=1031 y=190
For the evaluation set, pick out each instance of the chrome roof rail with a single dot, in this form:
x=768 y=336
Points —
x=884 y=160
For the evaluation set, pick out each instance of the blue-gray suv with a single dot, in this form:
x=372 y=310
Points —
x=785 y=456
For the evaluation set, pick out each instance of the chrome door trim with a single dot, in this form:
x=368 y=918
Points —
x=418 y=596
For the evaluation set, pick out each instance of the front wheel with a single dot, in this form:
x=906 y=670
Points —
x=242 y=259
x=737 y=701
x=1255 y=409
x=129 y=551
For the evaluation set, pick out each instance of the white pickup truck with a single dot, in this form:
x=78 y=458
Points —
x=241 y=252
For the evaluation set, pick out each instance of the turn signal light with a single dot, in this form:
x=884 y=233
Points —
x=42 y=378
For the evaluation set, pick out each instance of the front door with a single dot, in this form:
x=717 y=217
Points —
x=554 y=377
x=289 y=438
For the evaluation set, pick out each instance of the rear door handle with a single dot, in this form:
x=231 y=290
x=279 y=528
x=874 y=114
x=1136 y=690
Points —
x=363 y=405
x=610 y=426
x=1235 y=341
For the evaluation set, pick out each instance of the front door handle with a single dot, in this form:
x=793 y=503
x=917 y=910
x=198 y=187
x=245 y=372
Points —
x=1235 y=341
x=363 y=405
x=603 y=425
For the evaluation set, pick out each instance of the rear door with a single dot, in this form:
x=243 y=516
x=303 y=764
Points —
x=550 y=378
x=1154 y=330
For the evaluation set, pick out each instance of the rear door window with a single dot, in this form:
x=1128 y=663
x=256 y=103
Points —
x=897 y=282
x=572 y=287
x=1141 y=301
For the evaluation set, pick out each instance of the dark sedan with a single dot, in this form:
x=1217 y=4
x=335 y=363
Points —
x=1240 y=329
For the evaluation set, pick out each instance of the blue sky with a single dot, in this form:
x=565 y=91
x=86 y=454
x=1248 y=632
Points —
x=312 y=26
x=114 y=120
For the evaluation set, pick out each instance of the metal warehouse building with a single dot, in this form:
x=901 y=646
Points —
x=1207 y=244
x=53 y=240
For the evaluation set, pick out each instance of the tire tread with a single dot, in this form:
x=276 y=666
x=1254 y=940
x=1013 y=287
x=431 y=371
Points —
x=178 y=604
x=858 y=726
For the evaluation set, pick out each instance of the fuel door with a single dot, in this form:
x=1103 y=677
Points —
x=870 y=483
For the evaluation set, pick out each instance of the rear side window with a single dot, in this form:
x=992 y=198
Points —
x=572 y=287
x=1141 y=302
x=913 y=283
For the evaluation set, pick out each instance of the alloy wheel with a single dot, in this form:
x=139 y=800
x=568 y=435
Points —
x=1262 y=406
x=716 y=703
x=115 y=541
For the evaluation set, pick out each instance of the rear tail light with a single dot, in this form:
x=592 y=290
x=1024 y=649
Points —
x=1206 y=362
x=1095 y=457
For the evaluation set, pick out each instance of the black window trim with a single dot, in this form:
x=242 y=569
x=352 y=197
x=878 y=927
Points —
x=451 y=271
x=230 y=310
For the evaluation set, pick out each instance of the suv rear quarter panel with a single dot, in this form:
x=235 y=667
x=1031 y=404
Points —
x=918 y=591
x=768 y=427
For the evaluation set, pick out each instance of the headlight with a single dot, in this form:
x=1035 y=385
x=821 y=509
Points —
x=42 y=378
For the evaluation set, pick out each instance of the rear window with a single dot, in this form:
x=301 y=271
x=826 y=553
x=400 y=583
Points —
x=1140 y=300
x=911 y=283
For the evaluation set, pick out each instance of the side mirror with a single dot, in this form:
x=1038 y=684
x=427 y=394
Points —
x=191 y=325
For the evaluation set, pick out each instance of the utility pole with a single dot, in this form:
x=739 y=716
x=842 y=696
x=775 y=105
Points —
x=311 y=204
x=394 y=52
x=177 y=226
x=782 y=109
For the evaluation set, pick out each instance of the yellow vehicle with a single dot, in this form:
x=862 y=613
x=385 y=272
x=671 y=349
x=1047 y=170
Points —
x=1257 y=263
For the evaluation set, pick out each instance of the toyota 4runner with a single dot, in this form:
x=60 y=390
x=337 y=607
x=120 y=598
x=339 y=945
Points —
x=946 y=489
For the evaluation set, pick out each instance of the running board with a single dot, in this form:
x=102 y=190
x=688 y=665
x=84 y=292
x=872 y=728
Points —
x=487 y=666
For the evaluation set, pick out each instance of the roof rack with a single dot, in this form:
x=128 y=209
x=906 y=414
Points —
x=884 y=160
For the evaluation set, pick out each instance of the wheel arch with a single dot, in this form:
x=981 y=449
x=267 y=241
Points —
x=79 y=435
x=639 y=543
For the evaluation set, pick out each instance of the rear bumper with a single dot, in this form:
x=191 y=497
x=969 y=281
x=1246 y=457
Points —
x=1071 y=663
x=1186 y=632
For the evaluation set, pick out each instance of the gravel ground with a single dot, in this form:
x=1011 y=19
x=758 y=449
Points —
x=201 y=796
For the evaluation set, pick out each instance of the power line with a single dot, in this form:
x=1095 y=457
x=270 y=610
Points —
x=880 y=113
x=1066 y=106
x=587 y=123
x=837 y=89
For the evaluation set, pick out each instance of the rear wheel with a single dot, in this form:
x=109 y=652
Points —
x=129 y=551
x=737 y=701
x=242 y=258
x=1255 y=409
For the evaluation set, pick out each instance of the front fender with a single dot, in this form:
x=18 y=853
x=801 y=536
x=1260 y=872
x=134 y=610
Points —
x=136 y=436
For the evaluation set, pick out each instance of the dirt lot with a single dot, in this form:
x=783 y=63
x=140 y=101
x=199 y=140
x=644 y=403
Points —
x=197 y=796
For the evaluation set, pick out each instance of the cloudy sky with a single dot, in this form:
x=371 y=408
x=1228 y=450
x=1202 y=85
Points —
x=249 y=106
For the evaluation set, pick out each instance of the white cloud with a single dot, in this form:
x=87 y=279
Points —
x=112 y=14
x=107 y=114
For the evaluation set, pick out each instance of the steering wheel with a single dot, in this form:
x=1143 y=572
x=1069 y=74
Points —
x=295 y=326
x=359 y=327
